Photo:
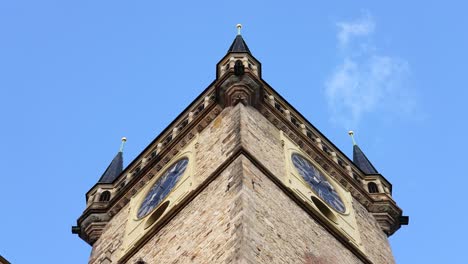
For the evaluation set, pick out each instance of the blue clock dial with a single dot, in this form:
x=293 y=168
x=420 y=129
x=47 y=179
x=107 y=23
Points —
x=318 y=182
x=162 y=187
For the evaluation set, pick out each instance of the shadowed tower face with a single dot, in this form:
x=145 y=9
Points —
x=240 y=177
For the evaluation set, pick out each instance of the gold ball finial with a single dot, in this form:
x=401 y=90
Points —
x=239 y=27
x=124 y=139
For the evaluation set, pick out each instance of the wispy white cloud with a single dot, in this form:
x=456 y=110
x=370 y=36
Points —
x=364 y=26
x=366 y=82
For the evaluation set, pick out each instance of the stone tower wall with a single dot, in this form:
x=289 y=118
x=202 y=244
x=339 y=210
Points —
x=242 y=216
x=262 y=140
x=218 y=142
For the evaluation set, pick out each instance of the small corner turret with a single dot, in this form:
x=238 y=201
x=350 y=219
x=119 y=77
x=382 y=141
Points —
x=238 y=75
x=89 y=226
x=384 y=209
x=238 y=59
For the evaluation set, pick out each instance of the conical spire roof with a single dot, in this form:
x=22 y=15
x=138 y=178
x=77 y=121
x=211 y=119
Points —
x=113 y=170
x=239 y=45
x=360 y=159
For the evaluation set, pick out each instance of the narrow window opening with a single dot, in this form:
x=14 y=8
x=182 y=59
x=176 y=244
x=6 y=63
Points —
x=372 y=187
x=239 y=68
x=105 y=196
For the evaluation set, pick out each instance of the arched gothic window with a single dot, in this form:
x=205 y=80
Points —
x=105 y=196
x=372 y=187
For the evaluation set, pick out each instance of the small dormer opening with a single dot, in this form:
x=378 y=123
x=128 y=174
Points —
x=341 y=163
x=355 y=176
x=105 y=196
x=372 y=187
x=121 y=185
x=278 y=107
x=136 y=171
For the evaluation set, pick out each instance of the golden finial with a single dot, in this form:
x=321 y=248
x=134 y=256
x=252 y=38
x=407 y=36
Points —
x=239 y=27
x=124 y=139
x=351 y=133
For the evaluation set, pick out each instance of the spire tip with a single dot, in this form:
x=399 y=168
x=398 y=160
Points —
x=351 y=134
x=124 y=139
x=239 y=27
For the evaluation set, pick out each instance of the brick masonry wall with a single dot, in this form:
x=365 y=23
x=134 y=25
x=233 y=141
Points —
x=262 y=140
x=373 y=238
x=217 y=142
x=111 y=238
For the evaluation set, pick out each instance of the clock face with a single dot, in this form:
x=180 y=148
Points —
x=318 y=182
x=162 y=187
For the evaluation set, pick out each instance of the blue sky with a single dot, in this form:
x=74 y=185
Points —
x=76 y=76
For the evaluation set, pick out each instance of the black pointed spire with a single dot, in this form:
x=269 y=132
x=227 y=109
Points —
x=239 y=45
x=360 y=159
x=115 y=167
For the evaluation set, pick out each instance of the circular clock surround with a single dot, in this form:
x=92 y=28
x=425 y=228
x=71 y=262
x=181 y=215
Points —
x=319 y=183
x=162 y=187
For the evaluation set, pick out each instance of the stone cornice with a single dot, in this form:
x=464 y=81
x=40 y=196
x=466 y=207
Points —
x=311 y=141
x=188 y=116
x=312 y=150
x=96 y=210
x=303 y=126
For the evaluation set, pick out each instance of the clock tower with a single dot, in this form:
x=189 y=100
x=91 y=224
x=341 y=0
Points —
x=240 y=176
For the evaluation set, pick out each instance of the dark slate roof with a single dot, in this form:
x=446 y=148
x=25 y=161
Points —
x=239 y=45
x=114 y=169
x=362 y=162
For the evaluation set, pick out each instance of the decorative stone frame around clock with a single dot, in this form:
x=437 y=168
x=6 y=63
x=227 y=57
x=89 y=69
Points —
x=344 y=223
x=136 y=228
